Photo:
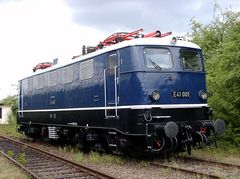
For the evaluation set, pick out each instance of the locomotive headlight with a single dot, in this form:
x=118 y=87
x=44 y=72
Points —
x=203 y=95
x=155 y=95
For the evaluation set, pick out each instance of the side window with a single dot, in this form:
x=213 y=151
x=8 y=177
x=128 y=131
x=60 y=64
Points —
x=67 y=74
x=40 y=81
x=112 y=62
x=52 y=78
x=30 y=84
x=86 y=69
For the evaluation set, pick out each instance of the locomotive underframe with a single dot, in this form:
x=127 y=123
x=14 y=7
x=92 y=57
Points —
x=132 y=130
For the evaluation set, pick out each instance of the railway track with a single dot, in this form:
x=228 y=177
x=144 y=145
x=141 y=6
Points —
x=42 y=164
x=202 y=167
x=212 y=162
x=47 y=166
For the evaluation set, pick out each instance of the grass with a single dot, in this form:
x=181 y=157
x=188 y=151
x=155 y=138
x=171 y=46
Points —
x=74 y=153
x=9 y=171
x=222 y=153
x=93 y=157
x=10 y=153
x=69 y=149
x=144 y=164
x=78 y=157
x=96 y=157
x=10 y=129
x=22 y=159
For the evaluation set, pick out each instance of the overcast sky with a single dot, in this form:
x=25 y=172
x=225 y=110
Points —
x=33 y=31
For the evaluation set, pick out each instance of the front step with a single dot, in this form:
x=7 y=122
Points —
x=112 y=139
x=52 y=132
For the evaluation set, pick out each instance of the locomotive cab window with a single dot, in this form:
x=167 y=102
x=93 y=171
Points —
x=190 y=59
x=112 y=62
x=157 y=58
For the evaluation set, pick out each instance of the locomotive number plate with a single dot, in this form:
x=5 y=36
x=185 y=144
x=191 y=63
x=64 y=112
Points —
x=181 y=94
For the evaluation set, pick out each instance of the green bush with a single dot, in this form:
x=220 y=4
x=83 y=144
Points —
x=220 y=41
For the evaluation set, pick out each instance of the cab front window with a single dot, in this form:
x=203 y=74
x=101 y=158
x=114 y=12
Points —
x=159 y=58
x=190 y=59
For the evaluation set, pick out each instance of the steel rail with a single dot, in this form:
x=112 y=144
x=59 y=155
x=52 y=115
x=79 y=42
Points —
x=20 y=165
x=211 y=162
x=185 y=170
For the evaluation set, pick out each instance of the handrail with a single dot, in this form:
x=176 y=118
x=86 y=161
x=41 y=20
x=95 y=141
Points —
x=105 y=91
x=20 y=103
x=115 y=86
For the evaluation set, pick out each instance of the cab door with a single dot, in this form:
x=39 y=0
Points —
x=111 y=85
x=20 y=99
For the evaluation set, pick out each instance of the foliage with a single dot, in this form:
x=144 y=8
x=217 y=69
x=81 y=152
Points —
x=10 y=153
x=22 y=158
x=12 y=102
x=9 y=130
x=78 y=157
x=96 y=157
x=220 y=41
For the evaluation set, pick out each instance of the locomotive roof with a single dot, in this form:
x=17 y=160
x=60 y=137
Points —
x=166 y=41
x=141 y=41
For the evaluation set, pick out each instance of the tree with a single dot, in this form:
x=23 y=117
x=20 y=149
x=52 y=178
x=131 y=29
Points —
x=220 y=41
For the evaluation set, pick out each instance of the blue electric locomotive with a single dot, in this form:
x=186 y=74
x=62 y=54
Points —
x=144 y=94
